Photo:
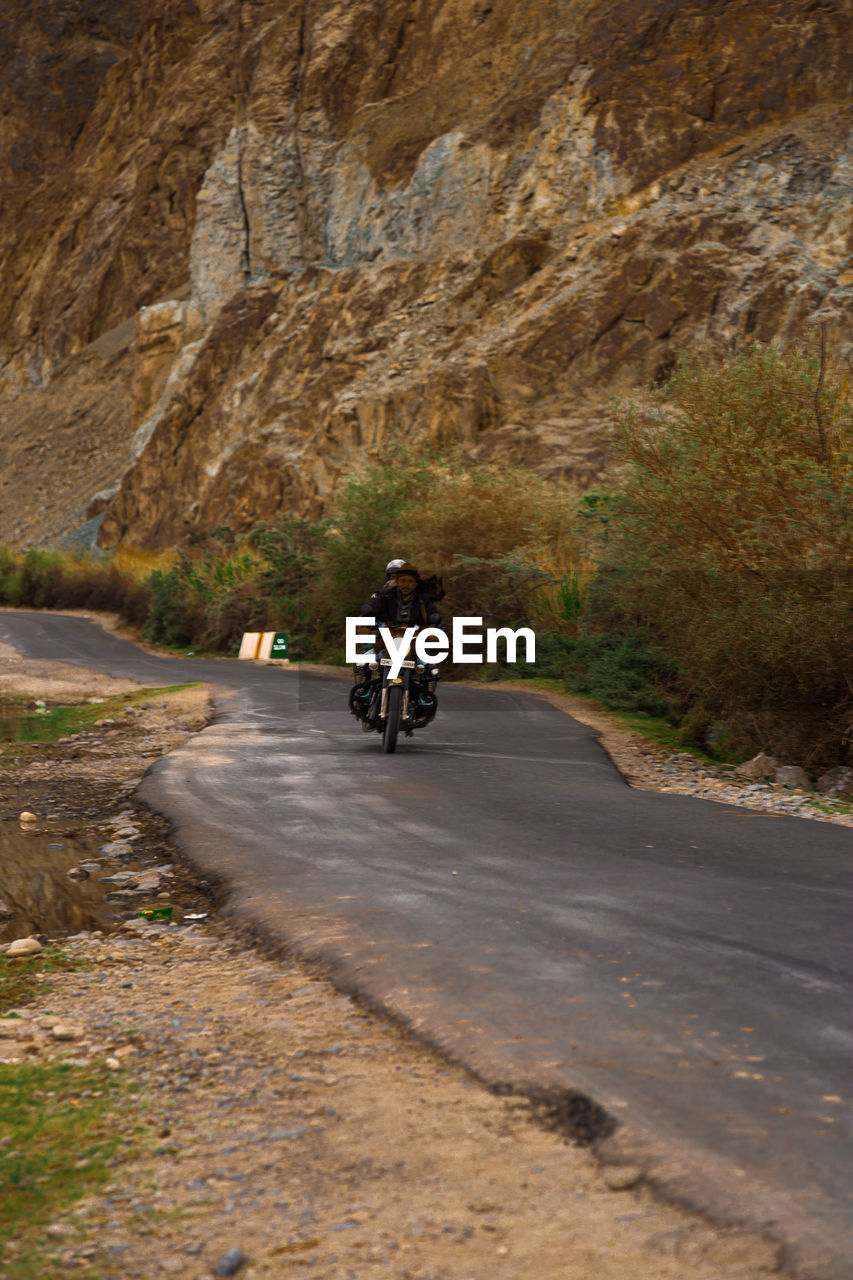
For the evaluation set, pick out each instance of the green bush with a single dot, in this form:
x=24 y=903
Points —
x=40 y=578
x=625 y=670
x=168 y=618
x=286 y=595
x=366 y=529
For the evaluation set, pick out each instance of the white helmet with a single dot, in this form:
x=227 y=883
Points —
x=393 y=566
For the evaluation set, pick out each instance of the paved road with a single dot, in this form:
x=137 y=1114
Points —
x=686 y=964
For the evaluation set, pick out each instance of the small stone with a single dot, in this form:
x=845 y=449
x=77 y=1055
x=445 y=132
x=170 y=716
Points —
x=62 y=1031
x=231 y=1262
x=77 y=873
x=791 y=775
x=26 y=818
x=116 y=849
x=622 y=1177
x=112 y=1064
x=25 y=947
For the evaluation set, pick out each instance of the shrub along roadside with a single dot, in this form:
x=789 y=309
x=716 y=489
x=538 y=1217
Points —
x=39 y=579
x=730 y=541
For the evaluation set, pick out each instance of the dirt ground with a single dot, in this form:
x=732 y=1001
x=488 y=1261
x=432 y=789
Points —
x=283 y=1130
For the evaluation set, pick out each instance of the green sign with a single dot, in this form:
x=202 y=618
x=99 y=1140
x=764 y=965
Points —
x=279 y=645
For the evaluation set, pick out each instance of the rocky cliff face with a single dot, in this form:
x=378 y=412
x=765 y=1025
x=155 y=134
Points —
x=334 y=224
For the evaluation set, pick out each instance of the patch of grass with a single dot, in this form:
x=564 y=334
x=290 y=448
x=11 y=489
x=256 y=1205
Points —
x=60 y=1126
x=657 y=729
x=59 y=1130
x=831 y=807
x=21 y=980
x=662 y=733
x=21 y=723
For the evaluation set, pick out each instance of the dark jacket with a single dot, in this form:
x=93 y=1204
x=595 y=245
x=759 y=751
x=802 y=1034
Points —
x=389 y=609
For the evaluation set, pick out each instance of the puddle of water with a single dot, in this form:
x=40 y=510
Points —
x=16 y=721
x=34 y=885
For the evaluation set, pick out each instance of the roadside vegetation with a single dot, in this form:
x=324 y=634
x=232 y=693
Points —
x=708 y=594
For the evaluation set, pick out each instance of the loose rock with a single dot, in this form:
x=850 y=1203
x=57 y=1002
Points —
x=25 y=947
x=59 y=1230
x=836 y=782
x=231 y=1262
x=26 y=818
x=622 y=1177
x=791 y=775
x=148 y=880
x=760 y=766
x=64 y=1032
x=116 y=849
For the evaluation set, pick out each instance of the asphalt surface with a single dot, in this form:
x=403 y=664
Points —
x=687 y=965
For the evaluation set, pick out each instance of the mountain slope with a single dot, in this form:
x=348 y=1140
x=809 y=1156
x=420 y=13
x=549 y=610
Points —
x=336 y=224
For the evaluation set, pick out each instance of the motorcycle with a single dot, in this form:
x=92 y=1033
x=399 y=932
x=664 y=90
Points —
x=385 y=705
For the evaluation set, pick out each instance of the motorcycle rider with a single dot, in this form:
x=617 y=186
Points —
x=403 y=601
x=391 y=570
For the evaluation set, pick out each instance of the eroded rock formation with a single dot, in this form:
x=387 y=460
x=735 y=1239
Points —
x=336 y=223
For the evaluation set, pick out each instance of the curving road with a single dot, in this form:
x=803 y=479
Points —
x=686 y=964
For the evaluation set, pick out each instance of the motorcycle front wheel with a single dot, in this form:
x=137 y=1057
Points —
x=392 y=719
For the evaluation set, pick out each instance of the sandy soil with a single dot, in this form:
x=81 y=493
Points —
x=282 y=1119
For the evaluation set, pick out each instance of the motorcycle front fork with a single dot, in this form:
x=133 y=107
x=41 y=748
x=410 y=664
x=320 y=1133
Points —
x=383 y=708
